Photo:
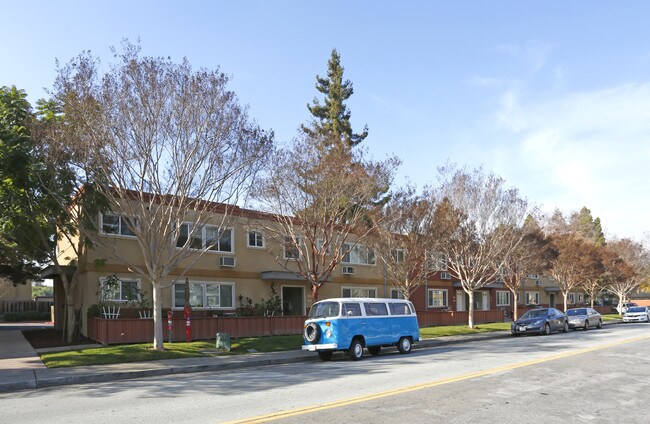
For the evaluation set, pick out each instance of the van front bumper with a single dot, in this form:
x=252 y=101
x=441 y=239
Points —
x=324 y=346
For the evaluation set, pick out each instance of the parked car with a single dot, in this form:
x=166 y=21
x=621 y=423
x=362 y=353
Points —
x=540 y=321
x=350 y=324
x=637 y=314
x=621 y=309
x=584 y=318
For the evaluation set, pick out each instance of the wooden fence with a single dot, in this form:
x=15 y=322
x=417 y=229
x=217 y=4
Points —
x=431 y=318
x=23 y=306
x=135 y=330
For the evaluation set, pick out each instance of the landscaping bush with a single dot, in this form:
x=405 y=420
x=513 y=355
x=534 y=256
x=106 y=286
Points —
x=26 y=316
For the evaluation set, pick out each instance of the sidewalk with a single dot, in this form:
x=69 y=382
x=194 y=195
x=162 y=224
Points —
x=21 y=368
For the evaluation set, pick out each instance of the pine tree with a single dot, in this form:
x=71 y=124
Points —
x=331 y=120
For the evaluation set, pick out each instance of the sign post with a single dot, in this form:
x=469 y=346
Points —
x=188 y=331
x=169 y=325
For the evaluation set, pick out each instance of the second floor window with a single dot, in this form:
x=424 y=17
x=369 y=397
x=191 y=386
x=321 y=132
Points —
x=112 y=223
x=358 y=254
x=291 y=251
x=255 y=239
x=209 y=236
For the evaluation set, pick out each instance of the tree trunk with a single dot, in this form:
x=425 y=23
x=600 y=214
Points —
x=158 y=335
x=314 y=293
x=70 y=316
x=470 y=310
x=565 y=295
x=515 y=308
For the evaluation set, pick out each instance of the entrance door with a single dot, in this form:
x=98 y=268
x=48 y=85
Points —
x=551 y=300
x=293 y=300
x=486 y=301
x=460 y=300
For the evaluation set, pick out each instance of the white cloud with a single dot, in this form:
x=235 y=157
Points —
x=583 y=149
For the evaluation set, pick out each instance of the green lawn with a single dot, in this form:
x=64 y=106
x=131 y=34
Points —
x=611 y=317
x=116 y=354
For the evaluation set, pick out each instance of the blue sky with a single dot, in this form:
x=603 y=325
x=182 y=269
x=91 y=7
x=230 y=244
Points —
x=553 y=96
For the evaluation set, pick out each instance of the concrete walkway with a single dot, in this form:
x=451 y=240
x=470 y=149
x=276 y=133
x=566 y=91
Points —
x=21 y=368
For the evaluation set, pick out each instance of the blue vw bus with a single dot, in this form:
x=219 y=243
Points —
x=350 y=324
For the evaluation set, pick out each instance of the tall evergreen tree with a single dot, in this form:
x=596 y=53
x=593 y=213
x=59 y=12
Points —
x=332 y=118
x=588 y=227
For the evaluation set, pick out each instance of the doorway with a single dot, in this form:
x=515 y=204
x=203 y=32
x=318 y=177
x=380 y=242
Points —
x=293 y=300
x=551 y=300
x=460 y=300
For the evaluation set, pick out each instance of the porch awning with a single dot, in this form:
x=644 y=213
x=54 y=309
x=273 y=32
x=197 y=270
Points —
x=50 y=271
x=552 y=289
x=280 y=275
x=494 y=285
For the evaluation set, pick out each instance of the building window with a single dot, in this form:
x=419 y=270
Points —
x=209 y=237
x=533 y=276
x=319 y=247
x=572 y=298
x=291 y=251
x=437 y=262
x=205 y=295
x=437 y=298
x=358 y=292
x=581 y=297
x=532 y=298
x=396 y=294
x=256 y=239
x=357 y=254
x=117 y=224
x=503 y=298
x=118 y=290
x=397 y=255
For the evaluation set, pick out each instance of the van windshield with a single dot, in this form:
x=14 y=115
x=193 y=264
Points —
x=324 y=310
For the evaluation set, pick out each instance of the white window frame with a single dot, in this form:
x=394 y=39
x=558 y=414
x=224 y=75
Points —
x=501 y=294
x=398 y=255
x=360 y=291
x=289 y=240
x=120 y=225
x=205 y=295
x=203 y=236
x=571 y=299
x=437 y=262
x=357 y=251
x=430 y=298
x=257 y=239
x=396 y=294
x=319 y=245
x=102 y=281
x=535 y=295
x=581 y=297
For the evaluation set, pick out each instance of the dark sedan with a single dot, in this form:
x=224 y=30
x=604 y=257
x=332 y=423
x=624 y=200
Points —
x=540 y=321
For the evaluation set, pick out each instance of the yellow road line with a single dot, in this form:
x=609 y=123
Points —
x=351 y=401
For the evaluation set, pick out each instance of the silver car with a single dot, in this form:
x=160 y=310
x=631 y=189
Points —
x=637 y=314
x=584 y=318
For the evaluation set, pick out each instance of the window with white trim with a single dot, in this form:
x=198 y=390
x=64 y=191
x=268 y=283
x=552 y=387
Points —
x=503 y=298
x=581 y=297
x=396 y=294
x=437 y=298
x=205 y=295
x=397 y=255
x=357 y=254
x=358 y=292
x=437 y=262
x=122 y=290
x=532 y=298
x=319 y=246
x=112 y=223
x=291 y=251
x=571 y=298
x=256 y=240
x=213 y=238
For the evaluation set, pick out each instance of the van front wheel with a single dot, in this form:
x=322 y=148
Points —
x=356 y=350
x=404 y=345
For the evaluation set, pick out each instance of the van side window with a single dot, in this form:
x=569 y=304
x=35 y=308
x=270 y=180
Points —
x=351 y=310
x=374 y=309
x=399 y=309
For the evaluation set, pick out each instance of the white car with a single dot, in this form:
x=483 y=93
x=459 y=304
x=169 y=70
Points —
x=622 y=308
x=637 y=314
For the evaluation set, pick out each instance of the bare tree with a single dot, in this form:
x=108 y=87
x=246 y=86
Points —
x=575 y=262
x=167 y=148
x=482 y=216
x=320 y=207
x=628 y=267
x=532 y=255
x=402 y=240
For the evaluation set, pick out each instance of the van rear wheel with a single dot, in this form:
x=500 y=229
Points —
x=404 y=345
x=355 y=352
